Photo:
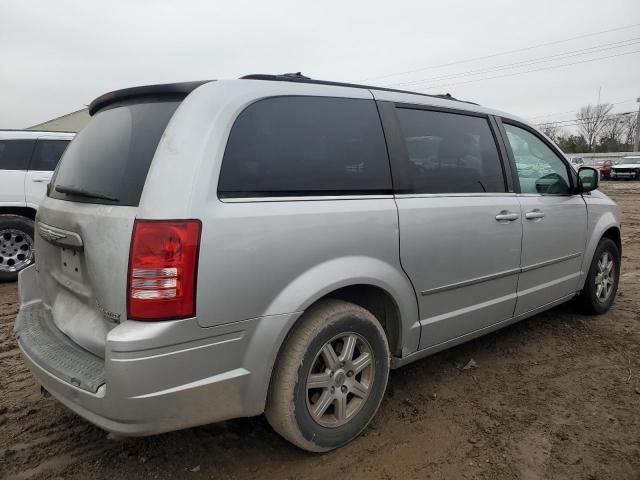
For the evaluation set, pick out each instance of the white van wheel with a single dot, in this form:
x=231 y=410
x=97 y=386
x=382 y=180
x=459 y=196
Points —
x=16 y=246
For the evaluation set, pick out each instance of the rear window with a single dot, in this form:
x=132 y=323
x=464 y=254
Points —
x=47 y=154
x=110 y=157
x=15 y=154
x=288 y=146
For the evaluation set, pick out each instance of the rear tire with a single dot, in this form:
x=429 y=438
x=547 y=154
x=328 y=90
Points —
x=330 y=376
x=16 y=246
x=601 y=284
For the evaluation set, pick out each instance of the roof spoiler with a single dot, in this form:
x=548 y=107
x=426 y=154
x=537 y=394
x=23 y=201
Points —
x=167 y=89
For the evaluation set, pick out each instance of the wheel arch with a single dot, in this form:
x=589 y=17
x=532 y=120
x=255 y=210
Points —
x=26 y=212
x=375 y=286
x=371 y=283
x=614 y=234
x=380 y=303
x=606 y=227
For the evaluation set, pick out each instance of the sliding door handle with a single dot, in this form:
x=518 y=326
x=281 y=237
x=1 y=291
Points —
x=534 y=215
x=507 y=216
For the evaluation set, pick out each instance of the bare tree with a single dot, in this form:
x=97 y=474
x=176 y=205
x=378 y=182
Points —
x=629 y=129
x=591 y=120
x=614 y=128
x=551 y=130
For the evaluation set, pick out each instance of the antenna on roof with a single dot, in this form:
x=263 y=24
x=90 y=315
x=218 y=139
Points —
x=297 y=75
x=282 y=76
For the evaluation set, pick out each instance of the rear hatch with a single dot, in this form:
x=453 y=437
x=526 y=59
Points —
x=84 y=226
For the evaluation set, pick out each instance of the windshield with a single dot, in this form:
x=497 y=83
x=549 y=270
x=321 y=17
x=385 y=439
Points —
x=108 y=160
x=630 y=161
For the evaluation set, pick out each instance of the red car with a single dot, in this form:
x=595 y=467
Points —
x=604 y=166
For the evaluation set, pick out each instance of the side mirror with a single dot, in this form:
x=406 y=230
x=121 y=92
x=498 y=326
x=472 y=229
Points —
x=551 y=184
x=588 y=179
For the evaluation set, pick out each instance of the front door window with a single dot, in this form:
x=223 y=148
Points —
x=540 y=170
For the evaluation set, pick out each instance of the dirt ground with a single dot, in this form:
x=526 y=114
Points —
x=556 y=396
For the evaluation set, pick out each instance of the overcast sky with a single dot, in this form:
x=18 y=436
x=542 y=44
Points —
x=56 y=56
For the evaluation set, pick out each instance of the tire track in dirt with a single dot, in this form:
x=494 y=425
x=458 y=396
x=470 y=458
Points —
x=551 y=397
x=39 y=436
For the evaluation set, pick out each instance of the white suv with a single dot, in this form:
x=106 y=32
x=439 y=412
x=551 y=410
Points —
x=27 y=161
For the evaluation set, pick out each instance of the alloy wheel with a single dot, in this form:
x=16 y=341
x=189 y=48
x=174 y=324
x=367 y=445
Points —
x=340 y=380
x=605 y=277
x=16 y=250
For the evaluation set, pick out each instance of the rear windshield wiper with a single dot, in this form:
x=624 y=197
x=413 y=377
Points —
x=84 y=193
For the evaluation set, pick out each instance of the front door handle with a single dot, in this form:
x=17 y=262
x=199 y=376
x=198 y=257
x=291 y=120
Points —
x=40 y=180
x=534 y=215
x=507 y=216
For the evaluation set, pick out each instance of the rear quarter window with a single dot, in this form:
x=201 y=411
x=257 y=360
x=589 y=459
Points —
x=287 y=146
x=47 y=154
x=15 y=154
x=112 y=154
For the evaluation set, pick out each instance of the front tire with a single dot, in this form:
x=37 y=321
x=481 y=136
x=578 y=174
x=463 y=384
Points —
x=16 y=246
x=330 y=376
x=601 y=284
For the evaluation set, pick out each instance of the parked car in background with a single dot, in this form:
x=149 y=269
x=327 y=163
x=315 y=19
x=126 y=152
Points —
x=577 y=162
x=627 y=168
x=27 y=161
x=604 y=167
x=276 y=244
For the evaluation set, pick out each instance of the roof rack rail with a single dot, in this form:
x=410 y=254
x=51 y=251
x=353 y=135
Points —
x=298 y=77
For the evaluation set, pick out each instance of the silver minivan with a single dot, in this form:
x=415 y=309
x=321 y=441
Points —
x=276 y=244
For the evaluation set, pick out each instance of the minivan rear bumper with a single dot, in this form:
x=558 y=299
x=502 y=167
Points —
x=157 y=376
x=217 y=400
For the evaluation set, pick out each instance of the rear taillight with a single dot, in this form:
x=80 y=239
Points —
x=163 y=267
